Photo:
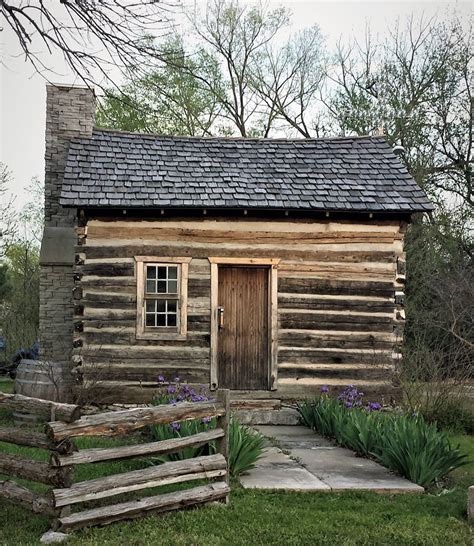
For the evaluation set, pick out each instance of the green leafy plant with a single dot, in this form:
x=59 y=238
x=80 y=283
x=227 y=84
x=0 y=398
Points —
x=404 y=443
x=245 y=444
x=417 y=450
x=245 y=447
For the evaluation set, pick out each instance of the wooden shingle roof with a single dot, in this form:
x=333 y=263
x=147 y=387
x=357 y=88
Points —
x=127 y=170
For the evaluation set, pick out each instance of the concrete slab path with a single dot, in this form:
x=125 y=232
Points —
x=297 y=459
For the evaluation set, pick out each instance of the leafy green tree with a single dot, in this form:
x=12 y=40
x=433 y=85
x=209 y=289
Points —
x=19 y=274
x=171 y=99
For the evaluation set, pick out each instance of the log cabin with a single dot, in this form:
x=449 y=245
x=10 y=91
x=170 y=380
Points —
x=271 y=267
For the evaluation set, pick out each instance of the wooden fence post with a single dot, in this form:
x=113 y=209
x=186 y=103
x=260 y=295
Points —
x=223 y=422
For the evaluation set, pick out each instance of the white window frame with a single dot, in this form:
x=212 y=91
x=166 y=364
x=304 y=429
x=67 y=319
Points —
x=162 y=332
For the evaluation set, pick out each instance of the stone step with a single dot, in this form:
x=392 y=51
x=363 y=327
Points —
x=284 y=416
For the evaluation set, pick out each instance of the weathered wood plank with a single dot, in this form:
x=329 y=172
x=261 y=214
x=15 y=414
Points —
x=23 y=496
x=99 y=337
x=311 y=322
x=163 y=447
x=115 y=372
x=140 y=508
x=253 y=224
x=34 y=470
x=224 y=423
x=146 y=478
x=37 y=406
x=355 y=256
x=298 y=355
x=120 y=422
x=319 y=286
x=293 y=301
x=39 y=440
x=349 y=372
x=317 y=339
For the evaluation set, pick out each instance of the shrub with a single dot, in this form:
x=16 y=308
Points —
x=245 y=444
x=404 y=443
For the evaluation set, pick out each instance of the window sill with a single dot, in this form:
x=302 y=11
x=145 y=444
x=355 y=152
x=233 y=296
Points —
x=165 y=336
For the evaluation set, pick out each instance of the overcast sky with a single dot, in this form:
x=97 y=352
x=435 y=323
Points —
x=23 y=97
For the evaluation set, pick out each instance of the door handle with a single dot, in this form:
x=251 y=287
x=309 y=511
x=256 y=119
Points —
x=220 y=317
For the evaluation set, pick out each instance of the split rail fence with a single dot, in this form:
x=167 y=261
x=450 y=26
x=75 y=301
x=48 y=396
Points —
x=58 y=473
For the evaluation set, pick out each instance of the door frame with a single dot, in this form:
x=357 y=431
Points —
x=272 y=266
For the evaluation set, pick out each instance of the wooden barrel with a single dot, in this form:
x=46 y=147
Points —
x=39 y=379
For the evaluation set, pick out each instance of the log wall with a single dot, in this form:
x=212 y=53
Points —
x=340 y=296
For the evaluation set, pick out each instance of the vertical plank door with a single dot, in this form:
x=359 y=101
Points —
x=243 y=344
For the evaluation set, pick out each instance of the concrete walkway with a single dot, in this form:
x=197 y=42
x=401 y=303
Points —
x=297 y=459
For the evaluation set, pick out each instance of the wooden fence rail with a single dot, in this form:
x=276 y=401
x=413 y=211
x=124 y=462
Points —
x=64 y=456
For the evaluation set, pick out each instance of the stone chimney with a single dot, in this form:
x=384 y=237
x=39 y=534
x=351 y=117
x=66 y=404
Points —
x=70 y=113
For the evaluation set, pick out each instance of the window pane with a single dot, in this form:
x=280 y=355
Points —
x=161 y=306
x=172 y=287
x=171 y=320
x=150 y=319
x=162 y=272
x=171 y=306
x=150 y=287
x=151 y=272
x=161 y=320
x=150 y=306
x=172 y=272
x=161 y=287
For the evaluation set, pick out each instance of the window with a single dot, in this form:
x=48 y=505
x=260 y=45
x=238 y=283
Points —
x=161 y=297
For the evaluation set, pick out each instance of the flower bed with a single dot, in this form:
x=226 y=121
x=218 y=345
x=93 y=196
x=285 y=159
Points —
x=404 y=443
x=245 y=445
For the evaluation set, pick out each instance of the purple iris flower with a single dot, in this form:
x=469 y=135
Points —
x=324 y=389
x=206 y=420
x=348 y=404
x=177 y=379
x=374 y=406
x=173 y=402
x=161 y=379
x=175 y=426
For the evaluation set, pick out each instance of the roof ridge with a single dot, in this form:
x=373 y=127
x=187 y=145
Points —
x=235 y=138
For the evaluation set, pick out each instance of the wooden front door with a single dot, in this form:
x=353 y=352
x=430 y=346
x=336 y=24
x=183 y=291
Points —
x=243 y=330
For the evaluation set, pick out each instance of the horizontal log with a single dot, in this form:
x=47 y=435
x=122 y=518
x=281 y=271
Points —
x=21 y=437
x=298 y=355
x=144 y=373
x=302 y=322
x=139 y=508
x=157 y=353
x=290 y=251
x=146 y=478
x=161 y=231
x=42 y=408
x=246 y=223
x=317 y=339
x=354 y=256
x=346 y=372
x=121 y=422
x=164 y=447
x=294 y=301
x=34 y=470
x=107 y=297
x=23 y=496
x=98 y=337
x=107 y=269
x=347 y=287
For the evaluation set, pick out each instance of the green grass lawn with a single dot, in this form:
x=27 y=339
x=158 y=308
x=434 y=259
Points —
x=261 y=517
